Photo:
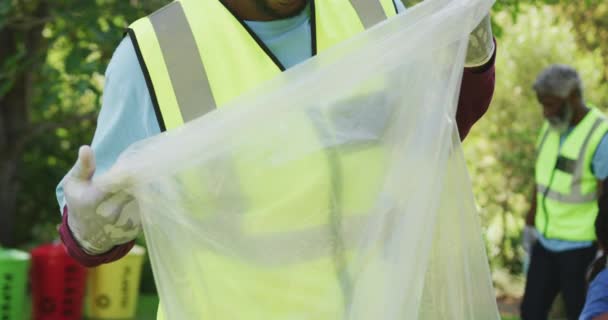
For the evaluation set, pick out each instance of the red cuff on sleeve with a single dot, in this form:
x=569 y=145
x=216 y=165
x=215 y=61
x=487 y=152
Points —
x=476 y=94
x=87 y=260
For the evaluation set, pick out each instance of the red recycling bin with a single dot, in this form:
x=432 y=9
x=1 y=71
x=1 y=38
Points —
x=58 y=284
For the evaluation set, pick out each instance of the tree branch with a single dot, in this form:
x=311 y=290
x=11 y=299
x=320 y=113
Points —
x=29 y=23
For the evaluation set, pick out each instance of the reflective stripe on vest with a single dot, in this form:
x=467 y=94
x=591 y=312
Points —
x=575 y=195
x=566 y=186
x=171 y=53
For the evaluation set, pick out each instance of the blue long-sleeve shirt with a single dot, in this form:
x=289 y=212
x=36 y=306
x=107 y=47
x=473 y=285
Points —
x=596 y=302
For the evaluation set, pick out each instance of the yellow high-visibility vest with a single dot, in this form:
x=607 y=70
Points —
x=197 y=56
x=566 y=188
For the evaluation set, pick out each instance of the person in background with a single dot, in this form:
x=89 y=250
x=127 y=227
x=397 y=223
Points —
x=596 y=304
x=571 y=162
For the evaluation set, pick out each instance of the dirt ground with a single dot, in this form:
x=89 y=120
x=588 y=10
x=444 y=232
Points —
x=508 y=306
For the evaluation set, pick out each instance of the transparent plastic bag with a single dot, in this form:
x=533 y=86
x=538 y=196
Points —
x=337 y=190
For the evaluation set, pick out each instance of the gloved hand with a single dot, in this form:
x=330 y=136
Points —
x=98 y=220
x=481 y=44
x=529 y=238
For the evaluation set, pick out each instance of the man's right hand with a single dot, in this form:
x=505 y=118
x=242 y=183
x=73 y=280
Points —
x=98 y=220
x=481 y=44
x=529 y=238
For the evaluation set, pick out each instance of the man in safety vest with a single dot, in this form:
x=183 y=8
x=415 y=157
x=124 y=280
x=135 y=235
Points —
x=572 y=160
x=215 y=49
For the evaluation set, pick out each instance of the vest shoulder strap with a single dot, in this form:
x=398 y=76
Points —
x=171 y=64
x=599 y=130
x=372 y=12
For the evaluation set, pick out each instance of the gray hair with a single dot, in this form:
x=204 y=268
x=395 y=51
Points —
x=558 y=80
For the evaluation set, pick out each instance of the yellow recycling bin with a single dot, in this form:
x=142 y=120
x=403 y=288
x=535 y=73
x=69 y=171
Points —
x=112 y=289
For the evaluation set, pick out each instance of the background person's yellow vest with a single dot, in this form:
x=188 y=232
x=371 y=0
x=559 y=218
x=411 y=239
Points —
x=566 y=187
x=197 y=56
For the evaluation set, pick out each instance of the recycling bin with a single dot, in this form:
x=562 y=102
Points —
x=14 y=266
x=58 y=284
x=113 y=289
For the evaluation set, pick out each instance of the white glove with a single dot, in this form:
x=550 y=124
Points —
x=529 y=238
x=98 y=220
x=481 y=44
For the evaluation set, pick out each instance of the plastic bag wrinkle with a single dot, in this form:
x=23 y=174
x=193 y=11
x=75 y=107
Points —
x=335 y=191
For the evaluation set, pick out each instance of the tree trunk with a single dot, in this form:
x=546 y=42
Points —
x=11 y=121
x=8 y=199
x=14 y=111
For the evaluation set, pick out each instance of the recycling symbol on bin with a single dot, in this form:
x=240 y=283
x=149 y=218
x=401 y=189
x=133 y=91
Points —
x=102 y=301
x=47 y=305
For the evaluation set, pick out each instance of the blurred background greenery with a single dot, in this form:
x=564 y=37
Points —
x=52 y=60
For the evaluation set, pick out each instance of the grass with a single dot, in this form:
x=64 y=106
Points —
x=146 y=307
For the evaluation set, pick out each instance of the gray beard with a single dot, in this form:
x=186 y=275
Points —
x=561 y=124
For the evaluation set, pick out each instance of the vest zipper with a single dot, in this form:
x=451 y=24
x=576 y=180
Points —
x=544 y=202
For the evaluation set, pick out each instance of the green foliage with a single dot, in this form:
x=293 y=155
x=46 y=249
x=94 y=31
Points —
x=500 y=150
x=591 y=23
x=66 y=69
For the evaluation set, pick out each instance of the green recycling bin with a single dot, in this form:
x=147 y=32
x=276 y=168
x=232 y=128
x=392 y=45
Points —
x=14 y=266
